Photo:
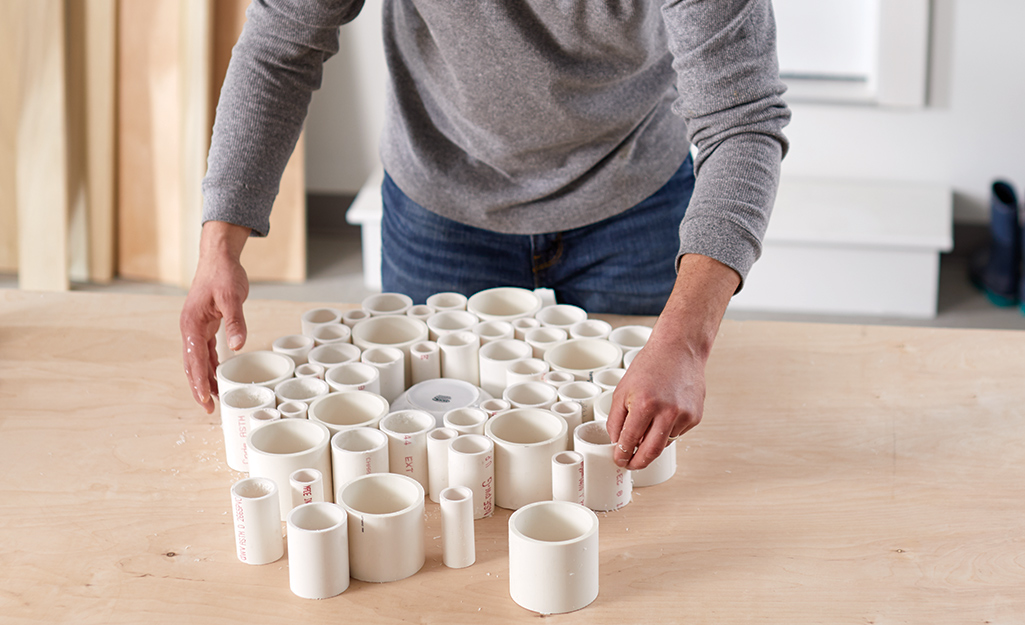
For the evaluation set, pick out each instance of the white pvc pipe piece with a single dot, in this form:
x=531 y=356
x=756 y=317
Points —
x=318 y=550
x=354 y=376
x=460 y=356
x=530 y=395
x=660 y=469
x=295 y=346
x=526 y=370
x=422 y=312
x=261 y=417
x=573 y=413
x=494 y=406
x=489 y=331
x=590 y=329
x=495 y=358
x=438 y=441
x=457 y=536
x=382 y=304
x=582 y=357
x=349 y=409
x=310 y=370
x=629 y=357
x=331 y=333
x=356 y=452
x=236 y=405
x=608 y=379
x=317 y=317
x=584 y=393
x=630 y=337
x=504 y=303
x=278 y=449
x=333 y=354
x=542 y=339
x=603 y=406
x=447 y=300
x=307 y=486
x=257 y=520
x=606 y=485
x=448 y=321
x=407 y=443
x=553 y=557
x=568 y=477
x=467 y=420
x=301 y=389
x=398 y=331
x=471 y=463
x=390 y=363
x=561 y=316
x=293 y=409
x=557 y=378
x=386 y=526
x=353 y=316
x=525 y=441
x=523 y=325
x=262 y=368
x=426 y=361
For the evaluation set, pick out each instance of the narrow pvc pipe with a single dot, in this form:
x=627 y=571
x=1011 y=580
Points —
x=426 y=361
x=354 y=376
x=438 y=441
x=390 y=363
x=356 y=452
x=236 y=405
x=293 y=409
x=572 y=412
x=525 y=440
x=263 y=416
x=495 y=358
x=584 y=393
x=307 y=486
x=382 y=304
x=608 y=379
x=542 y=339
x=553 y=557
x=317 y=317
x=494 y=406
x=629 y=356
x=349 y=409
x=590 y=329
x=606 y=485
x=449 y=321
x=630 y=337
x=279 y=448
x=568 y=477
x=466 y=420
x=460 y=356
x=407 y=443
x=523 y=325
x=301 y=389
x=333 y=354
x=257 y=520
x=386 y=526
x=331 y=333
x=561 y=316
x=310 y=370
x=318 y=550
x=558 y=378
x=422 y=312
x=471 y=463
x=531 y=394
x=489 y=331
x=295 y=346
x=526 y=370
x=457 y=535
x=351 y=317
x=447 y=300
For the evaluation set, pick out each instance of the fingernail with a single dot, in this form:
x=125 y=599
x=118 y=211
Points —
x=235 y=341
x=622 y=462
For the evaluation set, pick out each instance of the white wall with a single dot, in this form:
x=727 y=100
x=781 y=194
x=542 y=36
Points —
x=972 y=130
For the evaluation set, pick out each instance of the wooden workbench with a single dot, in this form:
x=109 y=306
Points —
x=842 y=474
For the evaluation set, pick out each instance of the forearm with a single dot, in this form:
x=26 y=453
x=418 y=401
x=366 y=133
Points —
x=691 y=318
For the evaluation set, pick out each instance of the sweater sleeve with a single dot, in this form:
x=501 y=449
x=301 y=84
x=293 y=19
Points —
x=275 y=67
x=730 y=95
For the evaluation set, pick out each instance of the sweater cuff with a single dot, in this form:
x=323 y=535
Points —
x=239 y=205
x=721 y=239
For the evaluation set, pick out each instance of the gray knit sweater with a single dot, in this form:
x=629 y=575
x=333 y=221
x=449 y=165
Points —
x=528 y=116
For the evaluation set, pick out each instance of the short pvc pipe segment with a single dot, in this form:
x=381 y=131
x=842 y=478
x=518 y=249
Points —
x=607 y=486
x=525 y=440
x=471 y=463
x=318 y=550
x=281 y=447
x=386 y=526
x=307 y=486
x=257 y=520
x=407 y=443
x=356 y=452
x=236 y=405
x=460 y=356
x=349 y=409
x=438 y=441
x=467 y=420
x=568 y=477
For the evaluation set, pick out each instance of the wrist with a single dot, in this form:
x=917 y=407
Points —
x=690 y=320
x=223 y=239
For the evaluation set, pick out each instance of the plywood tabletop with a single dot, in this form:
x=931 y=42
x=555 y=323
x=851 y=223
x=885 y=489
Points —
x=842 y=474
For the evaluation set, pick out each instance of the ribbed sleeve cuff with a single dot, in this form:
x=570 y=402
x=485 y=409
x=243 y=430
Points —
x=721 y=239
x=239 y=205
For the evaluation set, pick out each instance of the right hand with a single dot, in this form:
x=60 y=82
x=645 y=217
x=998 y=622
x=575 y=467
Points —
x=218 y=290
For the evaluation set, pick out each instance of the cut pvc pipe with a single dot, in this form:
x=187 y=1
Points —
x=523 y=325
x=407 y=443
x=525 y=441
x=629 y=357
x=333 y=354
x=331 y=333
x=236 y=405
x=526 y=370
x=301 y=389
x=553 y=557
x=307 y=486
x=318 y=317
x=310 y=370
x=257 y=520
x=349 y=409
x=584 y=393
x=458 y=549
x=582 y=357
x=573 y=413
x=608 y=379
x=386 y=526
x=460 y=356
x=590 y=329
x=318 y=550
x=568 y=477
x=295 y=346
x=544 y=338
x=561 y=316
x=530 y=395
x=489 y=331
x=262 y=368
x=471 y=464
x=466 y=420
x=398 y=331
x=382 y=304
x=353 y=316
x=558 y=378
x=494 y=406
x=606 y=485
x=630 y=337
x=261 y=417
x=422 y=312
x=426 y=363
x=448 y=321
x=495 y=358
x=293 y=409
x=354 y=376
x=504 y=303
x=660 y=469
x=390 y=363
x=603 y=406
x=356 y=452
x=447 y=300
x=438 y=441
x=278 y=449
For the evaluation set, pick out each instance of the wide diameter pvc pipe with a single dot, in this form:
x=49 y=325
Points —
x=318 y=550
x=281 y=447
x=386 y=526
x=257 y=520
x=525 y=441
x=458 y=549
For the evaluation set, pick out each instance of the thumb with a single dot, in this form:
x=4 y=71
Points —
x=234 y=322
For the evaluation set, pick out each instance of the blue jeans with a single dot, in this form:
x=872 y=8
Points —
x=623 y=265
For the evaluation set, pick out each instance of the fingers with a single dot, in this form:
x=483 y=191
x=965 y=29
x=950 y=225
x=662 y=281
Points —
x=196 y=357
x=234 y=321
x=636 y=422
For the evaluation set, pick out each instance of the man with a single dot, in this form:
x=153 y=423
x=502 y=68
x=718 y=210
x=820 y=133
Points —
x=528 y=143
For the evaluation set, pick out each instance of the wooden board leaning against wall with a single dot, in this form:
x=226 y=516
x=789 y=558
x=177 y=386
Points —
x=168 y=87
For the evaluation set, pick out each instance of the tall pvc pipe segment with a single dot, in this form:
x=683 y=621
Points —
x=257 y=520
x=318 y=550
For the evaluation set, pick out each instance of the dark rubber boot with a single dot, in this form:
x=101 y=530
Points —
x=996 y=269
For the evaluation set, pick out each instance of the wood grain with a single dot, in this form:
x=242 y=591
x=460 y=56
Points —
x=11 y=35
x=842 y=474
